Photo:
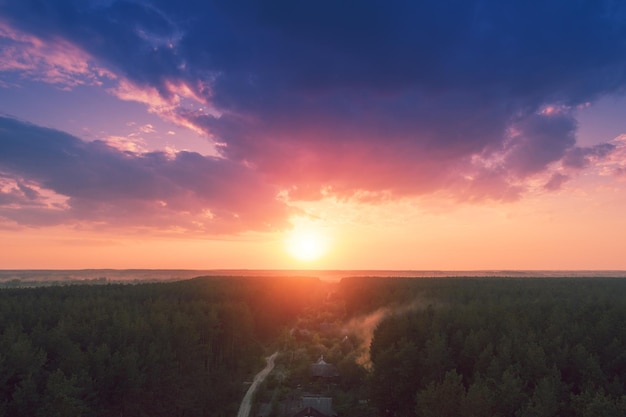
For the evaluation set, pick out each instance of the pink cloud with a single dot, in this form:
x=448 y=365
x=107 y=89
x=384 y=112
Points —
x=170 y=103
x=53 y=61
x=19 y=193
x=57 y=61
x=126 y=144
x=372 y=158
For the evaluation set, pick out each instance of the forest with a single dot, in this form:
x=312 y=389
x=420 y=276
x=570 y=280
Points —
x=497 y=347
x=160 y=349
x=427 y=347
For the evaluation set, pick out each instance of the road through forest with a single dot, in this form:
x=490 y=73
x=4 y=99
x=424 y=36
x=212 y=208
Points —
x=246 y=403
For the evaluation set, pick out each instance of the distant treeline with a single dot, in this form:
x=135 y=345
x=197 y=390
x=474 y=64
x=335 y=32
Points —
x=168 y=349
x=496 y=347
x=18 y=283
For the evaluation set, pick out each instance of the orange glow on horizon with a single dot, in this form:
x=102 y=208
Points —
x=579 y=228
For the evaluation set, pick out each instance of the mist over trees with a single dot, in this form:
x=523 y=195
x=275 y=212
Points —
x=524 y=348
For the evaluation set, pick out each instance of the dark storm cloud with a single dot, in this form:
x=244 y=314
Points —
x=104 y=185
x=384 y=96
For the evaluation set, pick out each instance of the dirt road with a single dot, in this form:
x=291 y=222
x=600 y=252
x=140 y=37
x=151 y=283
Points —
x=244 y=408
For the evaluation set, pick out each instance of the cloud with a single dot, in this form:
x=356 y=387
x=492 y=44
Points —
x=614 y=164
x=580 y=158
x=538 y=141
x=556 y=181
x=102 y=186
x=130 y=144
x=470 y=99
x=53 y=61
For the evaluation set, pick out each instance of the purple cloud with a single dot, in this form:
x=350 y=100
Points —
x=579 y=157
x=538 y=141
x=95 y=183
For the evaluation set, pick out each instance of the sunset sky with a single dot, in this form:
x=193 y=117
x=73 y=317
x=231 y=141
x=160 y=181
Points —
x=330 y=134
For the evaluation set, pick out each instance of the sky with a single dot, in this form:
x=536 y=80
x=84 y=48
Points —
x=352 y=134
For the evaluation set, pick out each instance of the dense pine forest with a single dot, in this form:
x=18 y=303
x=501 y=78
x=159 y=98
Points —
x=402 y=347
x=497 y=347
x=166 y=349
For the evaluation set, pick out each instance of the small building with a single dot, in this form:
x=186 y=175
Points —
x=310 y=412
x=316 y=407
x=323 y=369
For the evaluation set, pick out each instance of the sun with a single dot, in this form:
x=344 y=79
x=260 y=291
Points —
x=306 y=244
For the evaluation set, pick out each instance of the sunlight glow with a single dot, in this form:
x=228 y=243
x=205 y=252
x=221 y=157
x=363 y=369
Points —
x=306 y=242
